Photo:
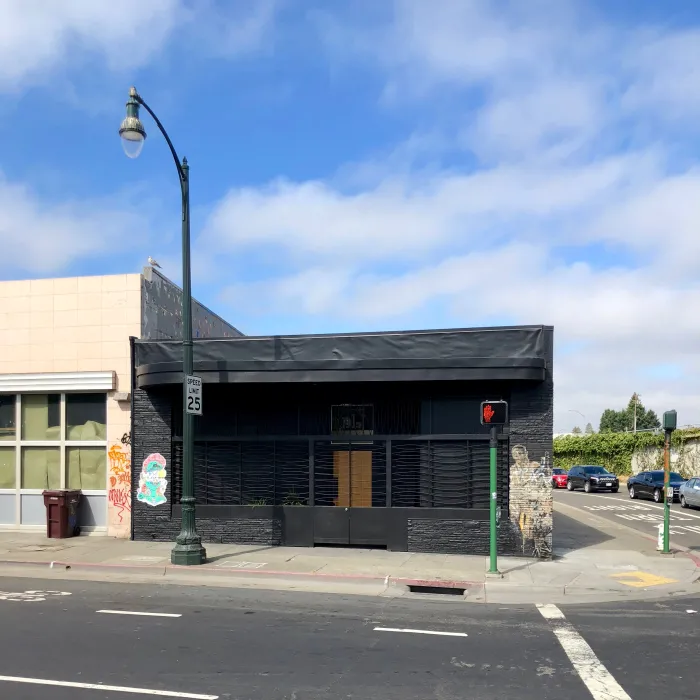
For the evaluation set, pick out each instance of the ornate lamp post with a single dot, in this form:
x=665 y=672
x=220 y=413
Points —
x=188 y=549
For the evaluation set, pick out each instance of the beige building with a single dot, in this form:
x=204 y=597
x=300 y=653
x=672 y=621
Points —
x=65 y=389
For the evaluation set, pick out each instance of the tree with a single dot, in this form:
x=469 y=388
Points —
x=646 y=420
x=576 y=430
x=589 y=429
x=620 y=421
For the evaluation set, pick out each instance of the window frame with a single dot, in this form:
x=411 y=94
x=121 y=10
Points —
x=62 y=444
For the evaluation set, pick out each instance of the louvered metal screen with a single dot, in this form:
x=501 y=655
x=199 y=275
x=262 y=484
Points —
x=445 y=474
x=424 y=473
x=247 y=473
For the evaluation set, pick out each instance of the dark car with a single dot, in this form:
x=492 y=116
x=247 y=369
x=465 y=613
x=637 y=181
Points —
x=591 y=478
x=651 y=485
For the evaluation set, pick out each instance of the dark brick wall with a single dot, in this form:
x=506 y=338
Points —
x=151 y=432
x=265 y=531
x=457 y=537
x=532 y=412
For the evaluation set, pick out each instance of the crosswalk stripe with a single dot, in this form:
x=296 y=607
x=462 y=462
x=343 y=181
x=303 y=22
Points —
x=597 y=678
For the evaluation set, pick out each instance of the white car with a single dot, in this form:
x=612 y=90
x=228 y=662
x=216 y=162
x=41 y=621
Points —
x=690 y=493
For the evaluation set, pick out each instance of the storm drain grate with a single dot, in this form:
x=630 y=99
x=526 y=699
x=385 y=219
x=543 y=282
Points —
x=439 y=590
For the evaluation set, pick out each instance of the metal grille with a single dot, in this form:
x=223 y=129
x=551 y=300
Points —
x=246 y=473
x=350 y=474
x=445 y=474
x=424 y=473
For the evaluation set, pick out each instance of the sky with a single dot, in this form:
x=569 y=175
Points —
x=379 y=165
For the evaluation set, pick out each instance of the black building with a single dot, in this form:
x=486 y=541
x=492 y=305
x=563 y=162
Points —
x=361 y=439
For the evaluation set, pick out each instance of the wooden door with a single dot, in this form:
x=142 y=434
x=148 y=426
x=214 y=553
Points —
x=353 y=471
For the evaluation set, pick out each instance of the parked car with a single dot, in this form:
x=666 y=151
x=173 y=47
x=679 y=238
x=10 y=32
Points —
x=559 y=478
x=689 y=493
x=651 y=485
x=591 y=478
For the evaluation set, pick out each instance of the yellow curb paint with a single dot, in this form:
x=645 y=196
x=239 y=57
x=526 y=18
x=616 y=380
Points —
x=641 y=579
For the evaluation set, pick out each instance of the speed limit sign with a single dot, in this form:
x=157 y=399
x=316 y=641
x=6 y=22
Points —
x=194 y=395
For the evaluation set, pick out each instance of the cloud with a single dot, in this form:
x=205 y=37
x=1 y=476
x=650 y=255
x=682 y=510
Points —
x=37 y=37
x=37 y=238
x=408 y=217
x=543 y=187
x=44 y=41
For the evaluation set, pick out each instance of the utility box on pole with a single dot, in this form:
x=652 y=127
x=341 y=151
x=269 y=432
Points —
x=670 y=420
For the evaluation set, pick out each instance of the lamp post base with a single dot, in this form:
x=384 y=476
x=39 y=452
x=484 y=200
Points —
x=191 y=554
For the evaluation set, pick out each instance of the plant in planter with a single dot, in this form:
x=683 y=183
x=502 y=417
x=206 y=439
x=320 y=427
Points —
x=293 y=499
x=257 y=502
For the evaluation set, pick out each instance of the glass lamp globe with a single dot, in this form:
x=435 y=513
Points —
x=133 y=136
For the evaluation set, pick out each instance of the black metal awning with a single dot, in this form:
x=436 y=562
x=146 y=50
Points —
x=519 y=353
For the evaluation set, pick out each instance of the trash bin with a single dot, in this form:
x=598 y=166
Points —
x=62 y=513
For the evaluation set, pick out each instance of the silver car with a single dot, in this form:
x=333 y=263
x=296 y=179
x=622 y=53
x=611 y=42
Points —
x=690 y=493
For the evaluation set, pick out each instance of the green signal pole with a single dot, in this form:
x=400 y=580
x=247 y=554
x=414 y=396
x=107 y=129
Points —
x=667 y=483
x=493 y=502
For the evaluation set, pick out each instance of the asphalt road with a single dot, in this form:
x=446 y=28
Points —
x=641 y=514
x=234 y=643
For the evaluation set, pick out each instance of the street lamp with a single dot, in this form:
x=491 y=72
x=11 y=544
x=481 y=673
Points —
x=573 y=410
x=188 y=547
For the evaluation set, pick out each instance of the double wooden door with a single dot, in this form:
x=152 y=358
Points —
x=351 y=519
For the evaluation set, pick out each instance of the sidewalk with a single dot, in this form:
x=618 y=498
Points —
x=587 y=568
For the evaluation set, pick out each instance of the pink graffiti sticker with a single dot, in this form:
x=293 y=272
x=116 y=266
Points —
x=152 y=480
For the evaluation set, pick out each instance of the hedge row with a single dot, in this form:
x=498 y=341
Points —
x=612 y=450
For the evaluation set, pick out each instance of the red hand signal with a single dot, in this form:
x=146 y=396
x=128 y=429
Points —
x=488 y=413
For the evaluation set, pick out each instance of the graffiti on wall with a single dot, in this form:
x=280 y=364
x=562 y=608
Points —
x=152 y=481
x=119 y=493
x=531 y=501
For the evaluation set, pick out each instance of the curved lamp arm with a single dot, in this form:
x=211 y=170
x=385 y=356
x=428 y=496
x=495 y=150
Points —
x=142 y=102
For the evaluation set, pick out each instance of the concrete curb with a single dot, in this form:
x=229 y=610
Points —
x=164 y=570
x=493 y=592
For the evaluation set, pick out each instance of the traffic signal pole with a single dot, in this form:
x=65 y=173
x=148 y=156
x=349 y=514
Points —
x=667 y=500
x=670 y=421
x=494 y=414
x=493 y=501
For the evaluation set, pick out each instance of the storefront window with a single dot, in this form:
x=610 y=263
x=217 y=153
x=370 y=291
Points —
x=41 y=467
x=86 y=417
x=7 y=467
x=41 y=417
x=7 y=418
x=87 y=468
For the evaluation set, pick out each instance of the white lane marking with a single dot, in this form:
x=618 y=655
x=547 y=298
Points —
x=132 y=612
x=30 y=596
x=597 y=678
x=649 y=504
x=108 y=688
x=410 y=631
